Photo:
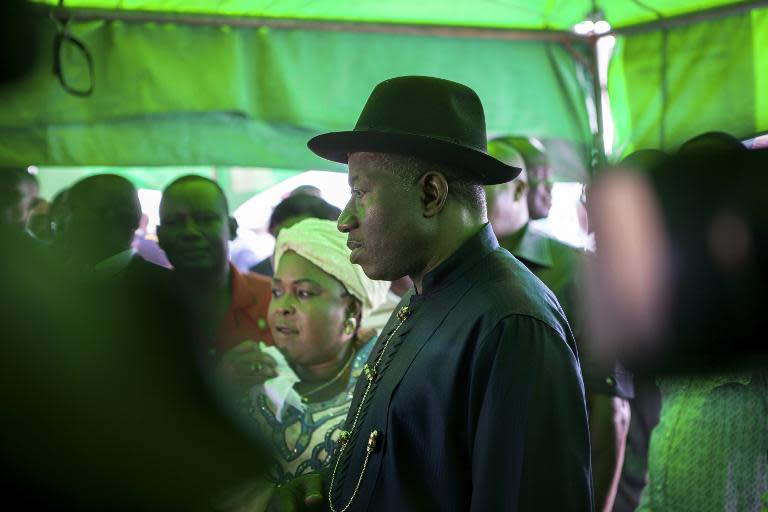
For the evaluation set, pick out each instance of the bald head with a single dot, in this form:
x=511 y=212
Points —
x=508 y=202
x=108 y=193
x=174 y=190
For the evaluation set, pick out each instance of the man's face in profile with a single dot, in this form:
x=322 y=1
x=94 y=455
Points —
x=539 y=192
x=194 y=230
x=382 y=218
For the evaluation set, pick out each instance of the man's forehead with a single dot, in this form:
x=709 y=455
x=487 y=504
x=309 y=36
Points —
x=367 y=166
x=193 y=195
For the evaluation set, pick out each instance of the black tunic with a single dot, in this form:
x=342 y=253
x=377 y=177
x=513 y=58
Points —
x=479 y=399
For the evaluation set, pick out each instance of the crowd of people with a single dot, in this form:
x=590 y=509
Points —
x=425 y=348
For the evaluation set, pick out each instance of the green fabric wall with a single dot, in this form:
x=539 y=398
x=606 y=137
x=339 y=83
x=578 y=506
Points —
x=180 y=95
x=708 y=76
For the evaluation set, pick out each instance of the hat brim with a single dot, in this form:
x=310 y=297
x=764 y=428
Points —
x=336 y=146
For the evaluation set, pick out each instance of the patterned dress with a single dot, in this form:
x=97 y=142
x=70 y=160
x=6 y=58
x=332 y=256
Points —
x=304 y=441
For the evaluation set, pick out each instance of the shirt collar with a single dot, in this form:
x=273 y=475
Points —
x=114 y=264
x=533 y=247
x=464 y=258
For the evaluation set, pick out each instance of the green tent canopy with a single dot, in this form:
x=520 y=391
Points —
x=514 y=14
x=243 y=83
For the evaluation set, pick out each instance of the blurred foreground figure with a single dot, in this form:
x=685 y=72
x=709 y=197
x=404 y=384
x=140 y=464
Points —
x=227 y=306
x=472 y=397
x=557 y=264
x=100 y=412
x=683 y=289
x=645 y=406
x=103 y=405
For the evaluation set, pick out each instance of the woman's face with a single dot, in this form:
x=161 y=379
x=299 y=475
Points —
x=307 y=312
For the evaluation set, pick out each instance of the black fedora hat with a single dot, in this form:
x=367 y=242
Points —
x=431 y=118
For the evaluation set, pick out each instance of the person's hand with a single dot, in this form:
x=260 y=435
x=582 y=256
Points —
x=302 y=493
x=245 y=366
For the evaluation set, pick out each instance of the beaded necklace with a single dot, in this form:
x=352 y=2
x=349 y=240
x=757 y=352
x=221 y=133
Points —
x=305 y=396
x=371 y=372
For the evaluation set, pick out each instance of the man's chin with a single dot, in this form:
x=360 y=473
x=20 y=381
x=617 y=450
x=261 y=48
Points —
x=195 y=268
x=376 y=273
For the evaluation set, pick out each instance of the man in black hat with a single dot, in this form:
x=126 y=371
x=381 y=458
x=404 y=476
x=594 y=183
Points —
x=472 y=398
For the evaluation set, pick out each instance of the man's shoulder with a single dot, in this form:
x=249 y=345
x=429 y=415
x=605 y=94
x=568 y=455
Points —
x=140 y=269
x=507 y=287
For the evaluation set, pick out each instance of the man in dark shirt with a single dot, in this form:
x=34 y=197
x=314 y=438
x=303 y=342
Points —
x=103 y=214
x=472 y=398
x=608 y=387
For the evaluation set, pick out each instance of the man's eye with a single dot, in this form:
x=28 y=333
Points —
x=357 y=193
x=304 y=294
x=206 y=219
x=277 y=293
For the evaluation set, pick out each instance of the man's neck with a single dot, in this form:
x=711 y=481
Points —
x=209 y=292
x=205 y=282
x=445 y=245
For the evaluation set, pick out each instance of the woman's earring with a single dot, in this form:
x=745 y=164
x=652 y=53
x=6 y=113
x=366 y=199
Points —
x=349 y=326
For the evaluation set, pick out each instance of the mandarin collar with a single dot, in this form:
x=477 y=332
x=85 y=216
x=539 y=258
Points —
x=533 y=247
x=115 y=264
x=463 y=259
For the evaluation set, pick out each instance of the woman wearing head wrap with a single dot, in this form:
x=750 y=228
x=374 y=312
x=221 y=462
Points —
x=318 y=301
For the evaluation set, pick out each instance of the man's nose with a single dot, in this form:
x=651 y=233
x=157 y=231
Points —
x=190 y=229
x=347 y=220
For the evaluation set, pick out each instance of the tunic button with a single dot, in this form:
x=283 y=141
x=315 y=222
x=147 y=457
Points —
x=370 y=372
x=609 y=381
x=373 y=441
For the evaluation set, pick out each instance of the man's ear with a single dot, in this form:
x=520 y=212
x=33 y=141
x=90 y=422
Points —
x=434 y=193
x=520 y=190
x=232 y=228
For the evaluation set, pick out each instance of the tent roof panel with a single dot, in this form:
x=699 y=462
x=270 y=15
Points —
x=513 y=14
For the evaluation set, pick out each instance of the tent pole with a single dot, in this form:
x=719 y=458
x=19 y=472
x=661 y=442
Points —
x=597 y=91
x=80 y=14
